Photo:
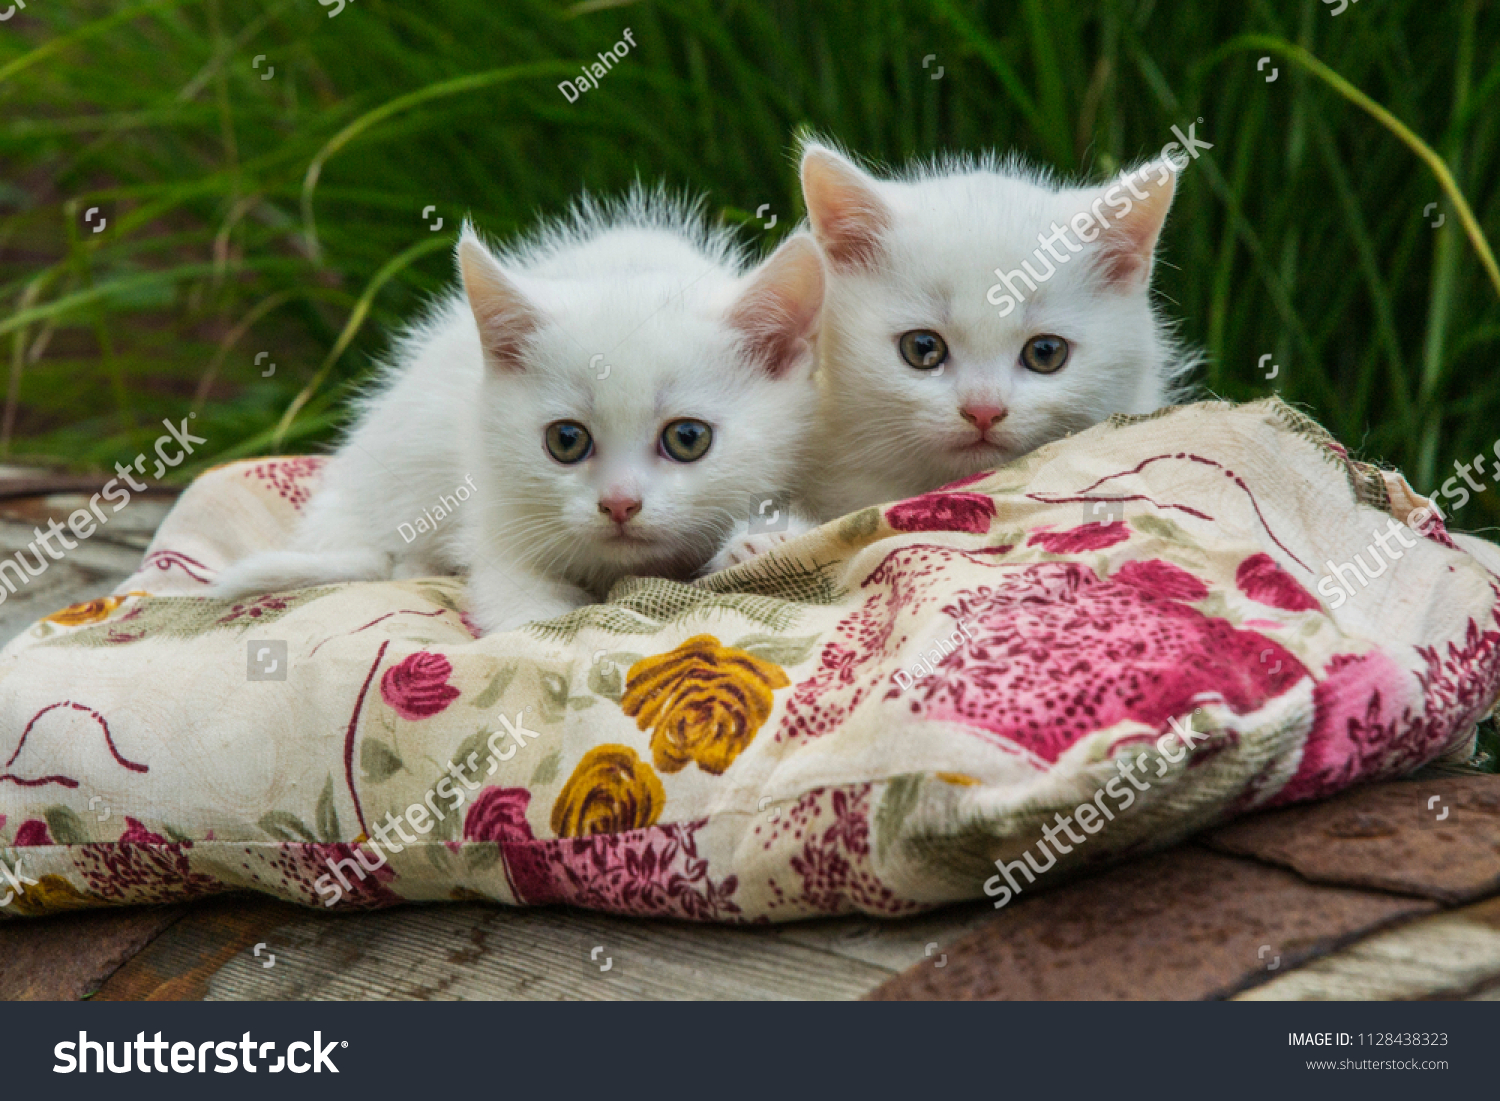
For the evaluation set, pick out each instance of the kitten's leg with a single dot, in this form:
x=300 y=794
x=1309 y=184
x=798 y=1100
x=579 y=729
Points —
x=278 y=571
x=341 y=538
x=505 y=599
x=422 y=566
x=741 y=546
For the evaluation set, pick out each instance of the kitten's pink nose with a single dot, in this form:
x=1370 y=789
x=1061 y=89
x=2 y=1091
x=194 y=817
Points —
x=619 y=507
x=982 y=416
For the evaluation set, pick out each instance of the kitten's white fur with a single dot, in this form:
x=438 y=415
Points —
x=643 y=288
x=920 y=251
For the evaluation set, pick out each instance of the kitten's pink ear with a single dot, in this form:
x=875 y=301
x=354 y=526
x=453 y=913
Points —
x=848 y=217
x=778 y=311
x=1135 y=209
x=504 y=316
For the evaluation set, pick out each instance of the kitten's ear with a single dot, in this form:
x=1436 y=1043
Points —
x=1138 y=202
x=848 y=216
x=504 y=315
x=778 y=312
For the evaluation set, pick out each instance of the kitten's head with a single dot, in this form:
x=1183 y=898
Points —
x=639 y=388
x=953 y=340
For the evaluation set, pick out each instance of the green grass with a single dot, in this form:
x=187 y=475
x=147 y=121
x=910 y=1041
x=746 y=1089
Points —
x=284 y=215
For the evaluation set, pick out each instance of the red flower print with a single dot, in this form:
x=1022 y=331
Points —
x=970 y=480
x=1059 y=653
x=1263 y=581
x=137 y=834
x=33 y=833
x=418 y=687
x=653 y=872
x=499 y=814
x=970 y=512
x=254 y=609
x=1163 y=579
x=142 y=868
x=1360 y=707
x=1076 y=540
x=292 y=479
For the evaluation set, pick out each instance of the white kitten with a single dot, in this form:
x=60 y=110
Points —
x=613 y=391
x=933 y=365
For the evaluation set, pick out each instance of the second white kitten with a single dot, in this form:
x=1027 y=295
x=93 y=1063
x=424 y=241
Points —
x=613 y=389
x=975 y=311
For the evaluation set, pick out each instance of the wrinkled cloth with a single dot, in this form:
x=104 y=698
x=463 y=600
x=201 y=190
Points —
x=865 y=719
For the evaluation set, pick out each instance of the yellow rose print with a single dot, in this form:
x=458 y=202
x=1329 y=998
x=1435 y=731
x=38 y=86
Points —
x=702 y=702
x=611 y=791
x=90 y=611
x=50 y=895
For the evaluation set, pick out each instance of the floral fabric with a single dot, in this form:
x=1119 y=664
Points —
x=863 y=720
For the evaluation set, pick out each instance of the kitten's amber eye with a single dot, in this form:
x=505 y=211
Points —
x=1044 y=354
x=923 y=349
x=686 y=441
x=569 y=442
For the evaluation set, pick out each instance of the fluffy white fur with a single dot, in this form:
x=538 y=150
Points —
x=920 y=251
x=641 y=287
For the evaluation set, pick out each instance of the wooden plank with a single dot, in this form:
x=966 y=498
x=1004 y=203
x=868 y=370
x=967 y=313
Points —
x=1451 y=955
x=1184 y=924
x=180 y=963
x=458 y=952
x=133 y=525
x=893 y=943
x=1438 y=838
x=68 y=956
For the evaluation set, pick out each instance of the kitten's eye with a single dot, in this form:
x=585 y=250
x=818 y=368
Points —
x=923 y=349
x=569 y=442
x=686 y=441
x=1044 y=354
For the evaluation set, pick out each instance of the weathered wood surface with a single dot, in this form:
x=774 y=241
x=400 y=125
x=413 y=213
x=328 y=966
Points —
x=70 y=956
x=473 y=951
x=1185 y=924
x=1450 y=955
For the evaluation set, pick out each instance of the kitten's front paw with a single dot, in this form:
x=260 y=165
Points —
x=742 y=548
x=500 y=602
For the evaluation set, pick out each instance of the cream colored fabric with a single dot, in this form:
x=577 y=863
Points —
x=867 y=719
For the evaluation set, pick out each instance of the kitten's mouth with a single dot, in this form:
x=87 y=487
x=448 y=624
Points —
x=646 y=552
x=628 y=536
x=982 y=444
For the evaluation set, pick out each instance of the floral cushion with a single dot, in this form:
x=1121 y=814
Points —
x=866 y=719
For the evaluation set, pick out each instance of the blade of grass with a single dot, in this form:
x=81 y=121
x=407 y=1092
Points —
x=356 y=318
